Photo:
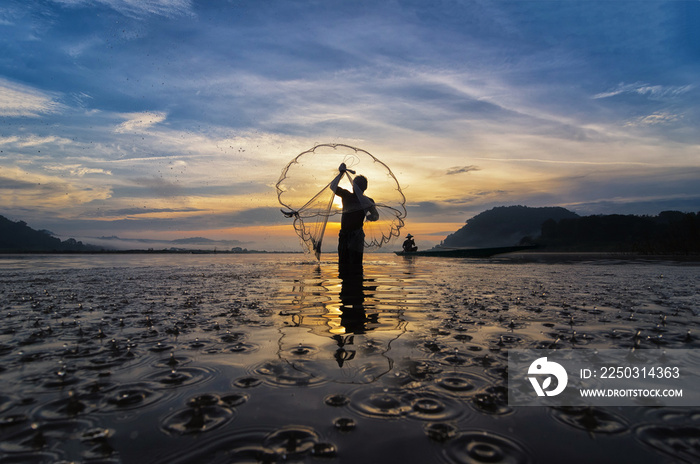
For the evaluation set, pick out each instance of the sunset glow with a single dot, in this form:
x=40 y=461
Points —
x=174 y=119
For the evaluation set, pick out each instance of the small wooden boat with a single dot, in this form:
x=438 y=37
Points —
x=465 y=252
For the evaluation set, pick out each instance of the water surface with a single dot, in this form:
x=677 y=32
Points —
x=272 y=358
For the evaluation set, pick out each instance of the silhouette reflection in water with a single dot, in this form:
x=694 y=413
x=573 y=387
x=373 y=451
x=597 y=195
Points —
x=359 y=314
x=353 y=315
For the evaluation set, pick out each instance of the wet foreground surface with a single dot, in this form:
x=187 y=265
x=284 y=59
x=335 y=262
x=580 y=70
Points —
x=225 y=358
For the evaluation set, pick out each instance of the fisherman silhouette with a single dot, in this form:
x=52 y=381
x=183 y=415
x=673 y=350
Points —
x=409 y=245
x=356 y=208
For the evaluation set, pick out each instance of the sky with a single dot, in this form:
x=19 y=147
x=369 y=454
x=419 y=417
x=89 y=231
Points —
x=168 y=119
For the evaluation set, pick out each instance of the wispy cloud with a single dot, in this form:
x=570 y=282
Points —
x=655 y=119
x=462 y=169
x=77 y=170
x=136 y=8
x=17 y=100
x=655 y=92
x=562 y=161
x=32 y=140
x=22 y=189
x=137 y=122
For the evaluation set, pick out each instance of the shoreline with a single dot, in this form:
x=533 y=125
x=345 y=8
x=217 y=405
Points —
x=574 y=256
x=520 y=256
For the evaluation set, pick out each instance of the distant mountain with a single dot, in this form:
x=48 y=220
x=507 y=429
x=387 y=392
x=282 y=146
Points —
x=192 y=240
x=159 y=243
x=19 y=237
x=505 y=226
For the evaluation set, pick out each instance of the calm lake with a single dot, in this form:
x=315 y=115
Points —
x=272 y=358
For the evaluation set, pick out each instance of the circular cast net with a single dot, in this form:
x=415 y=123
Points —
x=304 y=190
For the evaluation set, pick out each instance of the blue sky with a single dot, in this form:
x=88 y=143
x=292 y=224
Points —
x=174 y=118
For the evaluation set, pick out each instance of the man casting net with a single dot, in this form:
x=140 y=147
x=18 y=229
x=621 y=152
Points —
x=307 y=191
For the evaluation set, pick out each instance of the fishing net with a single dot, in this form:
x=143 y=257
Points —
x=304 y=189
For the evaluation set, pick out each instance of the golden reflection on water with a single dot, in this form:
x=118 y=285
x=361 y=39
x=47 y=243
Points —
x=356 y=326
x=328 y=306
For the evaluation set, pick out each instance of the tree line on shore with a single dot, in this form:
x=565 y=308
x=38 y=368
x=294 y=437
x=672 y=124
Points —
x=669 y=232
x=558 y=229
x=19 y=237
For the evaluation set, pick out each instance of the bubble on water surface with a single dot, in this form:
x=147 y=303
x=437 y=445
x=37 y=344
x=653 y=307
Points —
x=336 y=400
x=247 y=382
x=492 y=400
x=441 y=431
x=345 y=424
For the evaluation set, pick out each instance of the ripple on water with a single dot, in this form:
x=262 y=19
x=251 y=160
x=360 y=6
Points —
x=302 y=350
x=131 y=396
x=460 y=383
x=290 y=374
x=71 y=405
x=294 y=442
x=290 y=443
x=477 y=447
x=397 y=402
x=433 y=407
x=680 y=441
x=203 y=413
x=492 y=400
x=381 y=402
x=242 y=347
x=591 y=419
x=247 y=382
x=423 y=370
x=37 y=442
x=172 y=361
x=455 y=358
x=6 y=402
x=177 y=377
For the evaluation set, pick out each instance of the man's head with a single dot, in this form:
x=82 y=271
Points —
x=360 y=182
